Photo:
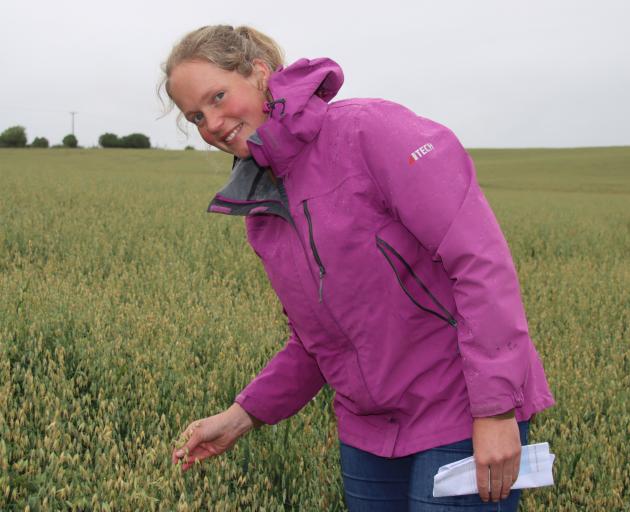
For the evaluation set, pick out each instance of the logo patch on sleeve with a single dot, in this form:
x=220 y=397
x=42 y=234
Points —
x=420 y=152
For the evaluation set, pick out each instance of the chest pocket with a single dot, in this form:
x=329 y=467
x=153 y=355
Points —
x=413 y=270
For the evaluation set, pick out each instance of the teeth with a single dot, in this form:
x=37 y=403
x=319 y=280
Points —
x=233 y=133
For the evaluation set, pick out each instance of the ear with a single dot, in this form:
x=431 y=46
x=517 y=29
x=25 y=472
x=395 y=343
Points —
x=261 y=74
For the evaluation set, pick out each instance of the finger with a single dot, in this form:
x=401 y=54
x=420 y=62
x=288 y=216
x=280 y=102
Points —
x=179 y=450
x=191 y=441
x=198 y=455
x=189 y=463
x=508 y=468
x=190 y=430
x=496 y=481
x=180 y=455
x=483 y=482
x=186 y=458
x=517 y=467
x=200 y=452
x=189 y=447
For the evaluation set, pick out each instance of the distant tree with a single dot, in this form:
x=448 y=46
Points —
x=189 y=148
x=135 y=140
x=70 y=141
x=13 y=137
x=109 y=140
x=40 y=142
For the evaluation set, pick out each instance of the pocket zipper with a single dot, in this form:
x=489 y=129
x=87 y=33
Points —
x=381 y=244
x=322 y=269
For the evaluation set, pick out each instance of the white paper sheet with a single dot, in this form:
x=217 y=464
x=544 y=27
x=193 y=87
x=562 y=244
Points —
x=460 y=477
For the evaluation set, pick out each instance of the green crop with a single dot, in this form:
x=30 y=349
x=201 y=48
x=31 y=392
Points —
x=127 y=311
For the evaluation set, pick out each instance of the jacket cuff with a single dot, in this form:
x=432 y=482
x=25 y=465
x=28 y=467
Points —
x=499 y=406
x=255 y=408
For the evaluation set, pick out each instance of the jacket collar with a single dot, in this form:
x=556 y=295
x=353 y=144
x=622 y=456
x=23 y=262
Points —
x=301 y=94
x=250 y=190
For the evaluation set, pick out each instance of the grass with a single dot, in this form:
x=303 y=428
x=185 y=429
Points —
x=126 y=312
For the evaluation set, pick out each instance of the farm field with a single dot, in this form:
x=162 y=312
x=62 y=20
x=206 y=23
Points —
x=127 y=311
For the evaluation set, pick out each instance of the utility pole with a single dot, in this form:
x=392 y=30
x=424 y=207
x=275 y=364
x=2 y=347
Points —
x=73 y=114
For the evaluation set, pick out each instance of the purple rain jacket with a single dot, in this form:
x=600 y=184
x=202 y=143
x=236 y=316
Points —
x=398 y=284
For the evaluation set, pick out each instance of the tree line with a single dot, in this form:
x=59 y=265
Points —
x=15 y=137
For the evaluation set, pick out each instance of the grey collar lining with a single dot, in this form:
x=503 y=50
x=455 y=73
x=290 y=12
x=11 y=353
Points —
x=250 y=182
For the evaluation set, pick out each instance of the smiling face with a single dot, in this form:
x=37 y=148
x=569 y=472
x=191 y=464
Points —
x=225 y=106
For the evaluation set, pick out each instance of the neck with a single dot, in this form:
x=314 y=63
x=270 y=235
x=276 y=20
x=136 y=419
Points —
x=272 y=177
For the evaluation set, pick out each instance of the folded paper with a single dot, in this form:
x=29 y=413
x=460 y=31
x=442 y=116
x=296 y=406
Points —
x=460 y=477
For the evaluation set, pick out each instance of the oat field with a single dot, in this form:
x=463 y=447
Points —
x=126 y=312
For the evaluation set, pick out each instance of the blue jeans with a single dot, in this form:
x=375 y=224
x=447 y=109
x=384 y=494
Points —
x=379 y=484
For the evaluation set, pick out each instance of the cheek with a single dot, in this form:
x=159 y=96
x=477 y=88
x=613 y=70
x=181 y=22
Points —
x=252 y=110
x=261 y=117
x=205 y=135
x=256 y=117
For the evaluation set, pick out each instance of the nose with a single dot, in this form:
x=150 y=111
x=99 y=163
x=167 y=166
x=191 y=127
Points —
x=213 y=121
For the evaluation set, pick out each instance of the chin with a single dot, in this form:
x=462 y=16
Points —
x=241 y=153
x=238 y=150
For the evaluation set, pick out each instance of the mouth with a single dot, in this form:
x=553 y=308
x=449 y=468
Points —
x=230 y=136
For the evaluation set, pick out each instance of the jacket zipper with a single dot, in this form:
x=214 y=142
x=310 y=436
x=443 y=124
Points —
x=322 y=269
x=241 y=207
x=380 y=243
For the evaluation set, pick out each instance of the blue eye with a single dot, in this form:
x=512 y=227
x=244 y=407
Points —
x=219 y=96
x=196 y=118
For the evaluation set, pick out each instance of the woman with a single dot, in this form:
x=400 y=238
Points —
x=397 y=282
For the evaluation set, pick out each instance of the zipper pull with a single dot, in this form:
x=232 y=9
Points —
x=322 y=273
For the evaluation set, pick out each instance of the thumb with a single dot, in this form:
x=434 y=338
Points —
x=192 y=436
x=190 y=444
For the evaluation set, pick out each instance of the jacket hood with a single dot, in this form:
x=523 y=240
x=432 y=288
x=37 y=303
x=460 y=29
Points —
x=301 y=93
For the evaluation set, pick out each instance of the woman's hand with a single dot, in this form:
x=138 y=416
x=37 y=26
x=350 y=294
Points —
x=213 y=435
x=497 y=450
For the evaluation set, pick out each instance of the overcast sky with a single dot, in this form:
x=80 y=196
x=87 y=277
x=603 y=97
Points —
x=500 y=73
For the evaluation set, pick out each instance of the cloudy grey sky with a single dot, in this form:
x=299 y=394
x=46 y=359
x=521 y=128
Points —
x=500 y=73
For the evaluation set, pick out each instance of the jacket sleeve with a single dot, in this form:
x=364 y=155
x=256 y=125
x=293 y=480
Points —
x=427 y=181
x=285 y=385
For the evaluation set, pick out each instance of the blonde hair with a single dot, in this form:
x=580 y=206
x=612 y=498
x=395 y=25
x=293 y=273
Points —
x=232 y=49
